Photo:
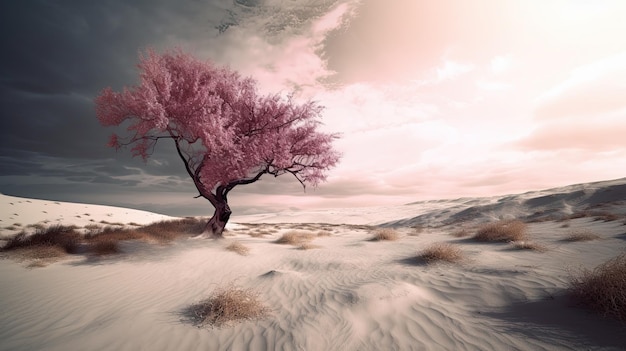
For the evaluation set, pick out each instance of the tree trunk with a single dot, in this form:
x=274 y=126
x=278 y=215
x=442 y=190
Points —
x=216 y=224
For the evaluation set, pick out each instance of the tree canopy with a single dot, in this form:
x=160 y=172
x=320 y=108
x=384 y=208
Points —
x=225 y=132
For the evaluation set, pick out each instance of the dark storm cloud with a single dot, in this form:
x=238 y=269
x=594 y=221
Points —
x=58 y=55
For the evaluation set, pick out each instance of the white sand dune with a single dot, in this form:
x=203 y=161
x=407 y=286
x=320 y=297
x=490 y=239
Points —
x=19 y=213
x=350 y=293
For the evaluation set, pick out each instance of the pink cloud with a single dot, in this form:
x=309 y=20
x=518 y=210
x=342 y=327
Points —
x=589 y=90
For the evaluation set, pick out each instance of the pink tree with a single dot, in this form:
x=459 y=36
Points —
x=225 y=133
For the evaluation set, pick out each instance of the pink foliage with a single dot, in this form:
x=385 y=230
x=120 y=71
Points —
x=225 y=131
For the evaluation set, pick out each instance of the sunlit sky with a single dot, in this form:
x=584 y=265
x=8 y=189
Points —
x=433 y=99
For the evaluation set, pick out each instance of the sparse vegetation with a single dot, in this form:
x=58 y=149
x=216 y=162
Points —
x=166 y=231
x=36 y=226
x=104 y=247
x=502 y=231
x=295 y=238
x=57 y=240
x=598 y=215
x=461 y=233
x=307 y=246
x=227 y=306
x=529 y=245
x=64 y=237
x=385 y=234
x=323 y=233
x=257 y=234
x=441 y=252
x=583 y=235
x=238 y=247
x=114 y=234
x=41 y=254
x=603 y=289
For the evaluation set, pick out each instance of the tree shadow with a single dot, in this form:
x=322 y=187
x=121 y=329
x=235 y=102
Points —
x=138 y=251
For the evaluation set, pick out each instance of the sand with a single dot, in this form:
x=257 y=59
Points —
x=345 y=293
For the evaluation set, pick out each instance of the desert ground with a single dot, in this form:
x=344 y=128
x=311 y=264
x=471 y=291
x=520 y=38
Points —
x=492 y=273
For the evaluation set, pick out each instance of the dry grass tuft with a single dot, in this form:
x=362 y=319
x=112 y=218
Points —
x=385 y=234
x=502 y=231
x=57 y=240
x=227 y=306
x=603 y=289
x=238 y=247
x=166 y=231
x=39 y=253
x=307 y=246
x=295 y=238
x=461 y=233
x=36 y=226
x=441 y=252
x=323 y=233
x=598 y=215
x=104 y=247
x=114 y=234
x=529 y=245
x=581 y=236
x=416 y=230
x=64 y=237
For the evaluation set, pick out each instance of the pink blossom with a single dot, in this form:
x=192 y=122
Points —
x=225 y=132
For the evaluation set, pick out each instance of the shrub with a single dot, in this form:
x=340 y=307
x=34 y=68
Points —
x=257 y=234
x=441 y=252
x=41 y=253
x=104 y=247
x=113 y=234
x=64 y=237
x=295 y=238
x=307 y=246
x=581 y=236
x=238 y=247
x=529 y=245
x=603 y=289
x=416 y=230
x=36 y=226
x=461 y=233
x=502 y=231
x=385 y=234
x=170 y=230
x=227 y=306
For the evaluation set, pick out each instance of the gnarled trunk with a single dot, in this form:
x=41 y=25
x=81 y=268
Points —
x=216 y=224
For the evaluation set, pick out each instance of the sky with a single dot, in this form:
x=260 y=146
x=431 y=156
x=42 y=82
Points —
x=433 y=99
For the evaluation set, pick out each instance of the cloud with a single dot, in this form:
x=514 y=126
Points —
x=451 y=69
x=279 y=44
x=585 y=111
x=500 y=64
x=589 y=90
x=597 y=135
x=491 y=85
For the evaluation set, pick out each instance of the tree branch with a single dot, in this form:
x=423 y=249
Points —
x=234 y=183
